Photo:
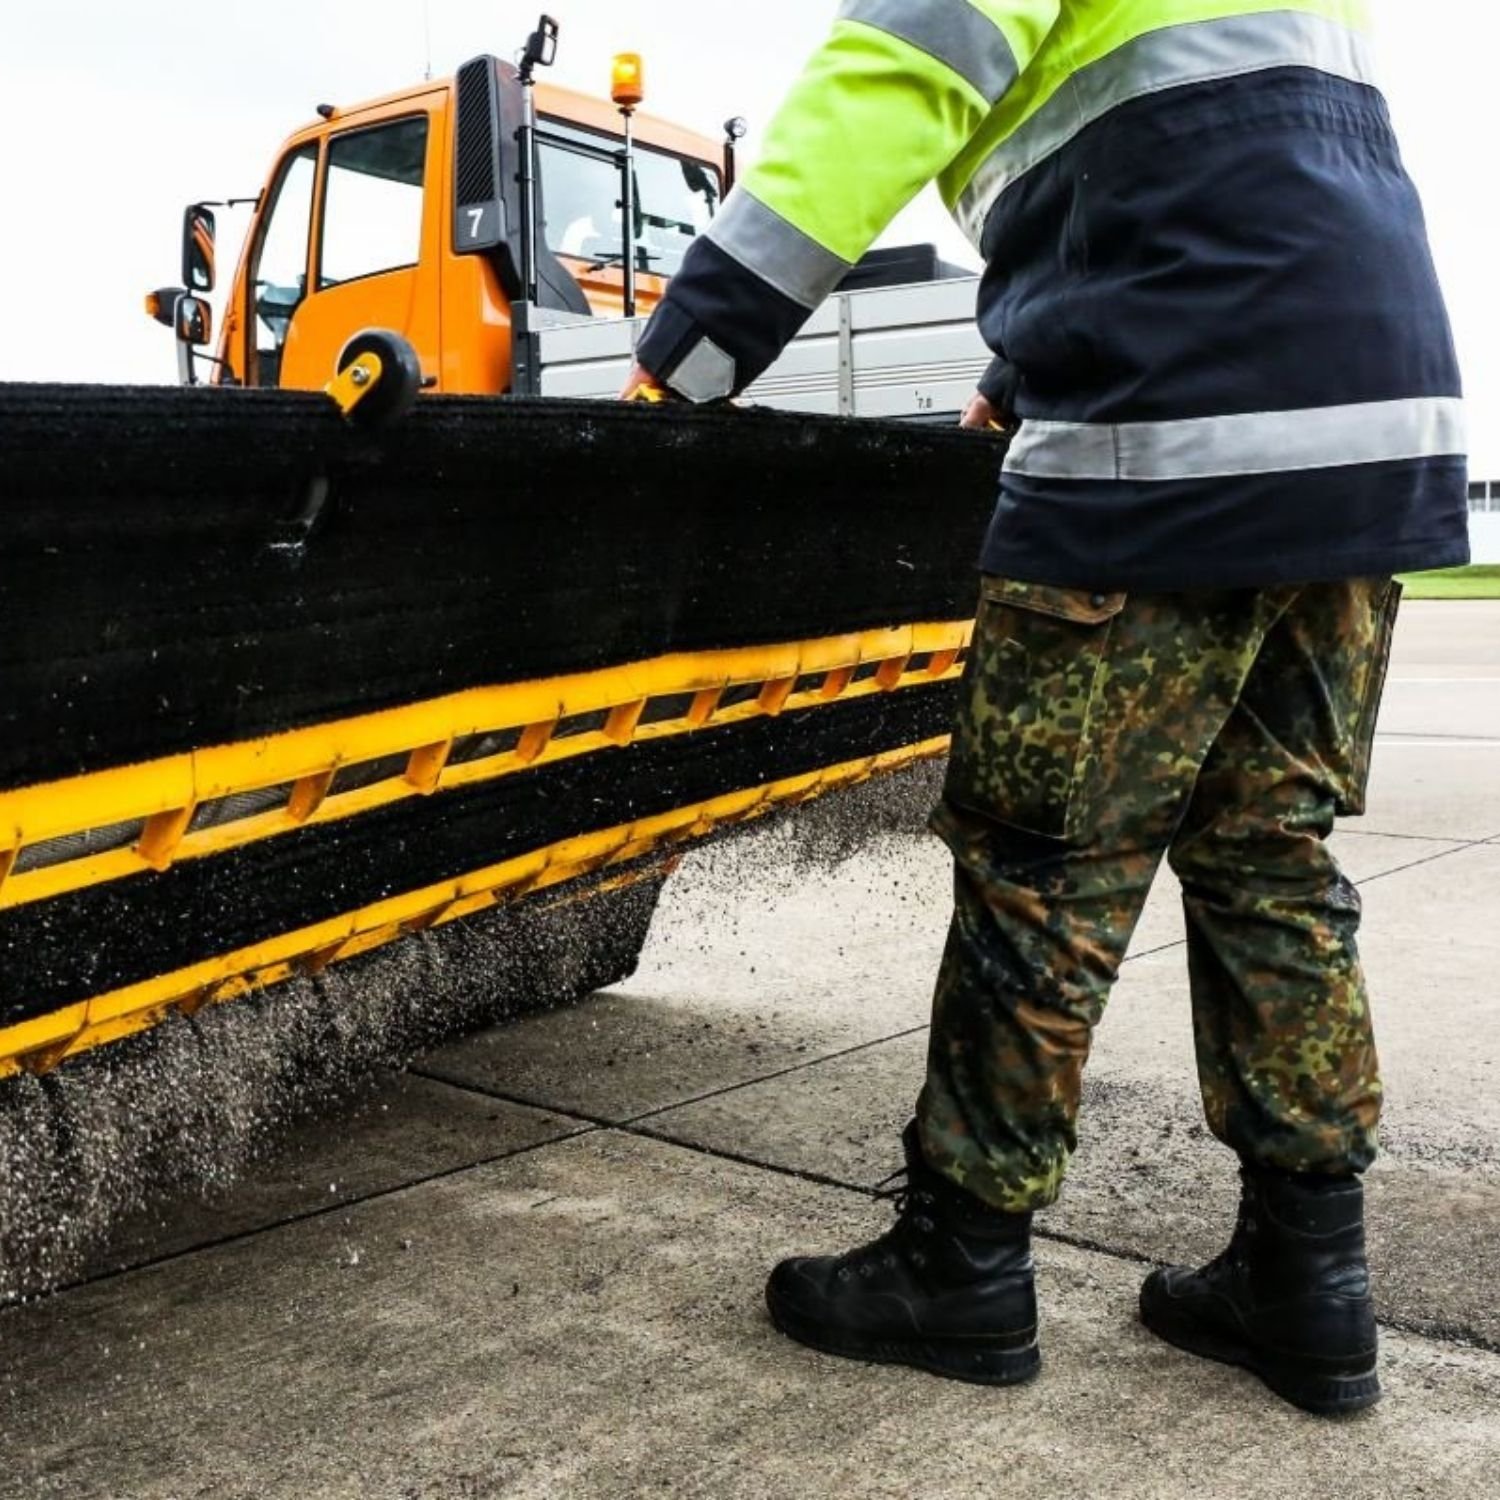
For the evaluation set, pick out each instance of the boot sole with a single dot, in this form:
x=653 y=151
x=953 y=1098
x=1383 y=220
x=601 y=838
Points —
x=1306 y=1387
x=973 y=1360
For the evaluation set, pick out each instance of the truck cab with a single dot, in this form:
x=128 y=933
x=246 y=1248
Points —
x=409 y=213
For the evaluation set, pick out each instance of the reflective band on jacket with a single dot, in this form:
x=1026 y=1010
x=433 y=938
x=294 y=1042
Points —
x=775 y=250
x=1190 y=52
x=952 y=31
x=1263 y=442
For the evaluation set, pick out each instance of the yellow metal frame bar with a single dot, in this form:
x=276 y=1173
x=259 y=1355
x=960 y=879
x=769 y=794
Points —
x=41 y=1044
x=165 y=794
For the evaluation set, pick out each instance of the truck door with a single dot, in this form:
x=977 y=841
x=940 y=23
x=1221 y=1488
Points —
x=375 y=263
x=278 y=268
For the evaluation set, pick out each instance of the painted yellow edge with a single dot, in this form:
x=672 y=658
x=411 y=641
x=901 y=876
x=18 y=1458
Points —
x=177 y=784
x=43 y=1042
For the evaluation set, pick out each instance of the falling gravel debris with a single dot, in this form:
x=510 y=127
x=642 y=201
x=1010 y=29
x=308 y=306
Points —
x=181 y=1111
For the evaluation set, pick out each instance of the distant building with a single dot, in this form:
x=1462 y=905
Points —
x=1484 y=519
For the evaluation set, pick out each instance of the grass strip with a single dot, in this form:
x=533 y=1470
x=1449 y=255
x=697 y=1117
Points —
x=1480 y=581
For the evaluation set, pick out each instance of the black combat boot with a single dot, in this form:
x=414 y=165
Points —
x=948 y=1288
x=1290 y=1297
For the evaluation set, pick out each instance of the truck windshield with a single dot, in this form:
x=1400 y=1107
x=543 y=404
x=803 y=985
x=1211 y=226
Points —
x=580 y=180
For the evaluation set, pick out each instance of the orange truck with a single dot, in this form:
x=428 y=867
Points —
x=438 y=213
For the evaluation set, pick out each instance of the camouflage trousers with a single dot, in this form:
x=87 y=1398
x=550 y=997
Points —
x=1097 y=733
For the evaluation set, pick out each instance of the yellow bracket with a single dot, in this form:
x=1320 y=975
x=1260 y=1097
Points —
x=162 y=833
x=355 y=381
x=774 y=694
x=704 y=706
x=651 y=392
x=162 y=796
x=425 y=767
x=534 y=741
x=623 y=721
x=836 y=683
x=308 y=795
x=40 y=1044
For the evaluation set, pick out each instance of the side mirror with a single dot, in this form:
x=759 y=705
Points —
x=541 y=47
x=198 y=248
x=194 y=320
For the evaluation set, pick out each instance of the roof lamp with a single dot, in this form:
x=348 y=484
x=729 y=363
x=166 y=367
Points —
x=627 y=83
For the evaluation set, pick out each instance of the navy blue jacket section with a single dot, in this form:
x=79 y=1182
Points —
x=1319 y=525
x=1250 y=245
x=714 y=294
x=1245 y=246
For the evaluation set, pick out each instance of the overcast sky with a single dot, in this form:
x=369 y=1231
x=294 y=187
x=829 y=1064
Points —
x=114 y=115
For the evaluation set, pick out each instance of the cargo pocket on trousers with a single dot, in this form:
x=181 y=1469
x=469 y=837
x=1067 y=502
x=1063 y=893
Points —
x=1362 y=745
x=1024 y=731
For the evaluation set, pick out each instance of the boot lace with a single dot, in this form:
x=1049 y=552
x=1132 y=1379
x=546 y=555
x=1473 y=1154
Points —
x=1234 y=1255
x=914 y=1206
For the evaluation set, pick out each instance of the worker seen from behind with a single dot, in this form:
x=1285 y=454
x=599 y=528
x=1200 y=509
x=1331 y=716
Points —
x=1216 y=321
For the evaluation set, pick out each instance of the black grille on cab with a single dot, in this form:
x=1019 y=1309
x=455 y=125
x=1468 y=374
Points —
x=474 y=164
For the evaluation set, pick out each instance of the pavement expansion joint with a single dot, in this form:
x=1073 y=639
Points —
x=800 y=1067
x=1345 y=832
x=1451 y=848
x=1413 y=734
x=1457 y=844
x=1429 y=859
x=306 y=1215
x=1441 y=1333
x=527 y=1101
x=1130 y=958
x=607 y=1122
x=743 y=1159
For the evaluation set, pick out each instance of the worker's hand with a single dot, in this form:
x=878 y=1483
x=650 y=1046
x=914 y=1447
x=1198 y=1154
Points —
x=982 y=415
x=642 y=385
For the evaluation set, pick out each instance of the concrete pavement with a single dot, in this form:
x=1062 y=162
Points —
x=532 y=1266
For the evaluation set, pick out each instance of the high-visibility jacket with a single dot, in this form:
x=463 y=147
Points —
x=1207 y=277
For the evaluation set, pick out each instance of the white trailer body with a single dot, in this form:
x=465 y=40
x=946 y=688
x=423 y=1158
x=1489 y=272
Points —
x=909 y=352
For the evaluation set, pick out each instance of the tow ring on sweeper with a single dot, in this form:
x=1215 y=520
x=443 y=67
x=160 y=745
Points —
x=378 y=378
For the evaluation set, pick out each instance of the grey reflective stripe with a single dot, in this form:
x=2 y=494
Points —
x=1193 y=52
x=705 y=373
x=1262 y=442
x=953 y=31
x=775 y=250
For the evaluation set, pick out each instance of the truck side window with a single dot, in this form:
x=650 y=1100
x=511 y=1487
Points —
x=372 y=206
x=280 y=275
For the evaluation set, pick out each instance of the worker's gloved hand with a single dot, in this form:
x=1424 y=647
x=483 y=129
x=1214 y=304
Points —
x=982 y=415
x=642 y=385
x=993 y=407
